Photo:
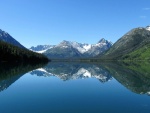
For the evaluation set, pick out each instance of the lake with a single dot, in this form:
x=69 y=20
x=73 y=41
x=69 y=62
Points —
x=61 y=87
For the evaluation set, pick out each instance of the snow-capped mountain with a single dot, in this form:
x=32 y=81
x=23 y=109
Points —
x=67 y=49
x=41 y=48
x=82 y=48
x=99 y=48
x=4 y=36
x=63 y=50
x=73 y=71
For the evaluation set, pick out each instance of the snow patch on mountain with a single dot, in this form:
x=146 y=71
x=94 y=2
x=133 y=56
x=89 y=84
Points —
x=41 y=48
x=65 y=46
x=42 y=69
x=148 y=28
x=84 y=72
x=87 y=46
x=41 y=72
x=42 y=51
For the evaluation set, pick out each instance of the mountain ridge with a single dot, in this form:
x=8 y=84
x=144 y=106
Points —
x=68 y=49
x=132 y=41
x=5 y=37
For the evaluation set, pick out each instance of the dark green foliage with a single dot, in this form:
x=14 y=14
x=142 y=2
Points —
x=11 y=53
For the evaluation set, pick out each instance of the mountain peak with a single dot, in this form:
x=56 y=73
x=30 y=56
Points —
x=5 y=37
x=1 y=30
x=105 y=41
x=64 y=43
x=102 y=40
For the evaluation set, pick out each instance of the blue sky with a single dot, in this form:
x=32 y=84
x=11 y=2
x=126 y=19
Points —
x=34 y=22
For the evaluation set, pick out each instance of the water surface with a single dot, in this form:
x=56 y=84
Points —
x=76 y=88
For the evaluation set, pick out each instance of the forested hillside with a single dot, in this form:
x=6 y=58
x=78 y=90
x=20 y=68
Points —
x=11 y=53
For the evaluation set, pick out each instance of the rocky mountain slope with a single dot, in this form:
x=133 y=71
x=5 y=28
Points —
x=4 y=36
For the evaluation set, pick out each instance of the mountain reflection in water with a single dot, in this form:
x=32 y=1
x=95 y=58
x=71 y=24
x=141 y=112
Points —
x=9 y=73
x=134 y=76
x=68 y=71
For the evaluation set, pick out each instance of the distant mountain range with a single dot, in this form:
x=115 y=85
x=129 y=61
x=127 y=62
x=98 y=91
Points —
x=67 y=49
x=41 y=48
x=134 y=45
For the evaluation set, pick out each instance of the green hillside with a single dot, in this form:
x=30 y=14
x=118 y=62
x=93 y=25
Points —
x=133 y=45
x=142 y=53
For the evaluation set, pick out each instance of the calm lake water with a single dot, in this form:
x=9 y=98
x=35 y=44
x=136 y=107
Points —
x=75 y=88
